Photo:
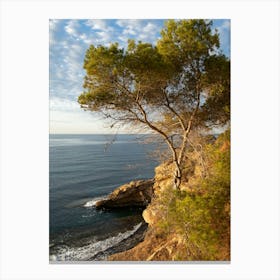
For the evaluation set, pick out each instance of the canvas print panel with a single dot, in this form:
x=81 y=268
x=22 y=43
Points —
x=139 y=140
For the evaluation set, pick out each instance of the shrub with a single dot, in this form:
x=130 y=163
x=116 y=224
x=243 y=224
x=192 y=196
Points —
x=202 y=218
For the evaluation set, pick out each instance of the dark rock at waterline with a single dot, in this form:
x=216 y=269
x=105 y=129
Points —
x=133 y=194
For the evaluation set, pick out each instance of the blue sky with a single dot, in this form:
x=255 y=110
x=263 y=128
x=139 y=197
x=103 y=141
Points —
x=69 y=40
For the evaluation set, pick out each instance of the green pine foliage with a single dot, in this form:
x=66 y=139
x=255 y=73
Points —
x=202 y=217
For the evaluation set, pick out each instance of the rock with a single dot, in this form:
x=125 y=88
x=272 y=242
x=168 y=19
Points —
x=163 y=177
x=133 y=194
x=151 y=214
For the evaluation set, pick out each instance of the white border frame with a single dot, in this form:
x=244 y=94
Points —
x=255 y=138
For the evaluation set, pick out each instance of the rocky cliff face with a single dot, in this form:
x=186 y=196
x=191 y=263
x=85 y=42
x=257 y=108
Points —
x=133 y=194
x=154 y=247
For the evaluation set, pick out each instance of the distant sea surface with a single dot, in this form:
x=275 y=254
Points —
x=84 y=169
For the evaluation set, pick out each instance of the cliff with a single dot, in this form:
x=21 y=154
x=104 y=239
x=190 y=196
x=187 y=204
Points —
x=155 y=245
x=194 y=223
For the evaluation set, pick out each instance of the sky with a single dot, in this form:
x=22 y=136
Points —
x=69 y=39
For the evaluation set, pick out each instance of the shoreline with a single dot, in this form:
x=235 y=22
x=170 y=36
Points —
x=137 y=194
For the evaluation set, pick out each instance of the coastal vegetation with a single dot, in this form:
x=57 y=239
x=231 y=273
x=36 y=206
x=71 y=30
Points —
x=200 y=216
x=178 y=89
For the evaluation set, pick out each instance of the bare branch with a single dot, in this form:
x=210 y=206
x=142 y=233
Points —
x=167 y=105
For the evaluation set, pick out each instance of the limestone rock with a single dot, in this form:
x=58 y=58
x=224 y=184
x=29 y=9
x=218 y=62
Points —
x=133 y=194
x=163 y=177
x=151 y=214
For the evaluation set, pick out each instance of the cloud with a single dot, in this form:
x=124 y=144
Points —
x=67 y=117
x=63 y=104
x=139 y=29
x=130 y=26
x=69 y=40
x=129 y=31
x=103 y=36
x=94 y=24
x=53 y=23
x=150 y=28
x=101 y=33
x=72 y=28
x=66 y=62
x=223 y=29
x=130 y=23
x=149 y=32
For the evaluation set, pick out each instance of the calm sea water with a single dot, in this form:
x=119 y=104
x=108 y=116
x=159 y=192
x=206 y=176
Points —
x=83 y=169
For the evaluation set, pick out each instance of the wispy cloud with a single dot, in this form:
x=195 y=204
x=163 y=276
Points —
x=72 y=28
x=63 y=104
x=99 y=24
x=53 y=24
x=140 y=29
x=223 y=28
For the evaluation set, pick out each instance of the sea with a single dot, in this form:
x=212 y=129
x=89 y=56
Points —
x=82 y=170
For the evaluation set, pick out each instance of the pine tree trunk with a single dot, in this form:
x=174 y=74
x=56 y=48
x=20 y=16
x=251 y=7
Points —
x=177 y=176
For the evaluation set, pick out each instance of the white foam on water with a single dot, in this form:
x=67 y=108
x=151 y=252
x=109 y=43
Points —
x=84 y=253
x=89 y=215
x=91 y=203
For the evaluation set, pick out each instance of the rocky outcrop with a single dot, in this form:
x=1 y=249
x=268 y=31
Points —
x=164 y=178
x=155 y=247
x=133 y=194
